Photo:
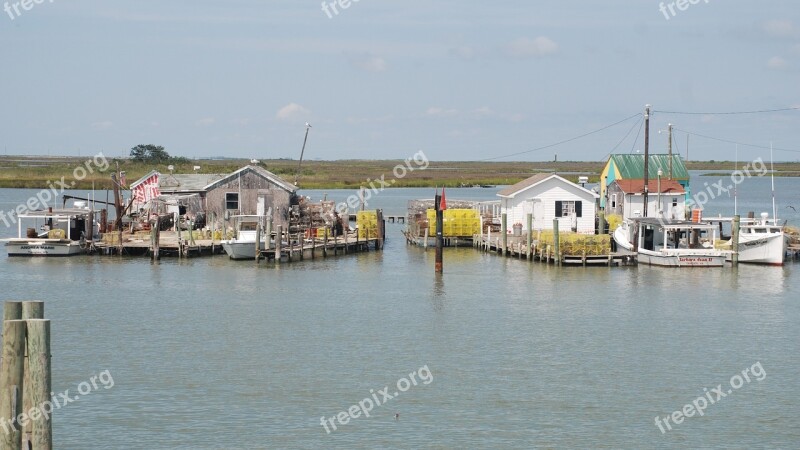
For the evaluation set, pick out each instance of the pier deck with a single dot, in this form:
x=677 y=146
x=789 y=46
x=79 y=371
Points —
x=296 y=248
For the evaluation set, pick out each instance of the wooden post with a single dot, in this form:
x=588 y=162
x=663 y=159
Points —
x=439 y=263
x=601 y=222
x=268 y=244
x=735 y=240
x=325 y=244
x=529 y=219
x=258 y=242
x=12 y=311
x=556 y=243
x=11 y=383
x=31 y=310
x=38 y=383
x=278 y=243
x=504 y=231
x=425 y=242
x=381 y=227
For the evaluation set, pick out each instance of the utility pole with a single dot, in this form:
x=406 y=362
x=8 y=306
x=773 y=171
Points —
x=303 y=150
x=669 y=127
x=646 y=153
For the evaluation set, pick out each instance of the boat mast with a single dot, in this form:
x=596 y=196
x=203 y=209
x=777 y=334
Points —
x=735 y=191
x=646 y=153
x=772 y=174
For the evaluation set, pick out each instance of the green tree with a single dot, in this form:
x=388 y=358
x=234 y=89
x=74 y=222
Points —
x=149 y=153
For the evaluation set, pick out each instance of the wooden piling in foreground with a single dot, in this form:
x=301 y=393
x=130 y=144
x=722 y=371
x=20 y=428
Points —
x=31 y=310
x=12 y=311
x=38 y=384
x=11 y=383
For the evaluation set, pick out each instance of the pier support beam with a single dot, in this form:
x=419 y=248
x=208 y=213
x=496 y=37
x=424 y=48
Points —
x=529 y=219
x=735 y=240
x=504 y=231
x=556 y=246
x=278 y=243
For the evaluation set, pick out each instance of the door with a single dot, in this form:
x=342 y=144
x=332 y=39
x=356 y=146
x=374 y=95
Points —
x=538 y=214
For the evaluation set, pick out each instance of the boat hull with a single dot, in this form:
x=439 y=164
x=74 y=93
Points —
x=681 y=260
x=43 y=247
x=242 y=250
x=762 y=249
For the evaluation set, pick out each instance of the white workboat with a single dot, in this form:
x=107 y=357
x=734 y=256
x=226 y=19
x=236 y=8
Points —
x=761 y=241
x=671 y=243
x=243 y=246
x=60 y=232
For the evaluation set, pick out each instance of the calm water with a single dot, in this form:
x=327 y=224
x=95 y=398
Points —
x=208 y=353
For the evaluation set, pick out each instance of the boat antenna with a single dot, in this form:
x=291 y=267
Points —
x=772 y=175
x=303 y=150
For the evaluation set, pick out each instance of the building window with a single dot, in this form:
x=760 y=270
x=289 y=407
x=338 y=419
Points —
x=674 y=202
x=232 y=200
x=613 y=200
x=566 y=208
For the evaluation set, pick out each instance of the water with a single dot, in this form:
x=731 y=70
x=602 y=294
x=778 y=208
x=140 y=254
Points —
x=210 y=353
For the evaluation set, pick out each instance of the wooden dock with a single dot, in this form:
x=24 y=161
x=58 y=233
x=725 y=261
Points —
x=296 y=248
x=517 y=247
x=430 y=241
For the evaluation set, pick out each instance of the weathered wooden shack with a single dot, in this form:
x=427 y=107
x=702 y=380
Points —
x=249 y=190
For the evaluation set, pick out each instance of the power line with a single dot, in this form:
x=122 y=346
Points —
x=639 y=122
x=638 y=133
x=736 y=142
x=562 y=142
x=760 y=111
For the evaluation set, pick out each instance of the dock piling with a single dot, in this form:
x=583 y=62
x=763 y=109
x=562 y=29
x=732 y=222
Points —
x=504 y=231
x=735 y=240
x=556 y=244
x=529 y=219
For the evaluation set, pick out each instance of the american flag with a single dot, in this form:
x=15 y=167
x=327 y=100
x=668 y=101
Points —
x=147 y=190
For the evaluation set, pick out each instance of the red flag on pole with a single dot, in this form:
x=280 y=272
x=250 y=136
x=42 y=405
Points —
x=442 y=202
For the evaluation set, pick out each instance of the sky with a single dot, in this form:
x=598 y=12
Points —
x=383 y=79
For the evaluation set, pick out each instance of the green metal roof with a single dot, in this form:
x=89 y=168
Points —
x=632 y=166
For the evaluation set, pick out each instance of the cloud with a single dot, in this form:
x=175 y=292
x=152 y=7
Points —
x=781 y=29
x=368 y=62
x=205 y=122
x=292 y=111
x=527 y=48
x=435 y=111
x=777 y=63
x=103 y=125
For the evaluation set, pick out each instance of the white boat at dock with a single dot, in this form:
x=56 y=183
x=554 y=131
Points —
x=761 y=240
x=671 y=243
x=62 y=232
x=243 y=246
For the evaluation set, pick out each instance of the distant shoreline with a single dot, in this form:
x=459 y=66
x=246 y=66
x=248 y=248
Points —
x=38 y=172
